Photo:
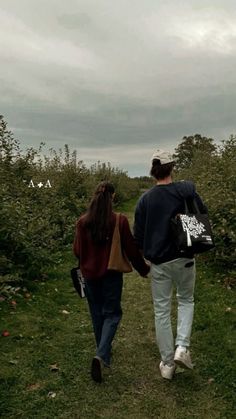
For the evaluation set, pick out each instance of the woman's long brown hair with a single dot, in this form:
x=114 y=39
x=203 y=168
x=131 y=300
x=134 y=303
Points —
x=99 y=214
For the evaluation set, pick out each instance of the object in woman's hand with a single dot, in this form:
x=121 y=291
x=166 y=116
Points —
x=78 y=281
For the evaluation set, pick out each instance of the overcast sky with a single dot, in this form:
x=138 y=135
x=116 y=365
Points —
x=117 y=79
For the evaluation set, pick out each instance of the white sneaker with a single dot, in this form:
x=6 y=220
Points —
x=166 y=370
x=182 y=358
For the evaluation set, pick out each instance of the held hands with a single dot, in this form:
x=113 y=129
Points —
x=148 y=264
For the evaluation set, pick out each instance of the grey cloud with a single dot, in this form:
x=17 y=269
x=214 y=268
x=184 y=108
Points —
x=106 y=74
x=132 y=123
x=74 y=21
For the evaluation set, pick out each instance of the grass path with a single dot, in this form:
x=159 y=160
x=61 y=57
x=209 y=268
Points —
x=45 y=362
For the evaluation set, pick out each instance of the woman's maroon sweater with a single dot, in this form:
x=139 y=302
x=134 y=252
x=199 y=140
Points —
x=94 y=257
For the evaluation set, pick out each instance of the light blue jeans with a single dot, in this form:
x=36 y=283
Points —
x=181 y=273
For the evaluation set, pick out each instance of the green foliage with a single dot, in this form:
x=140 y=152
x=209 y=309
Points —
x=125 y=187
x=37 y=223
x=186 y=150
x=144 y=182
x=27 y=233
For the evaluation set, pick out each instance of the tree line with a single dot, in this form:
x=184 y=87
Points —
x=43 y=195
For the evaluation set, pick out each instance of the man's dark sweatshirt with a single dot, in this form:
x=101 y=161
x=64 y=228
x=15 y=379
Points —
x=152 y=227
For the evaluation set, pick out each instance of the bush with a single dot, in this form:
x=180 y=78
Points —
x=37 y=223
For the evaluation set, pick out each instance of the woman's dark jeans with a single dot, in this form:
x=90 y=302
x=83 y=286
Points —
x=104 y=299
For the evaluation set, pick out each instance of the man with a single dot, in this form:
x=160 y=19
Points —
x=169 y=267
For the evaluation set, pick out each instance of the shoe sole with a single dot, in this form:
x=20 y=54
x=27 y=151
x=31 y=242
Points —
x=96 y=370
x=167 y=378
x=181 y=364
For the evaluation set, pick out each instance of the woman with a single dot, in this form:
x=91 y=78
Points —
x=92 y=245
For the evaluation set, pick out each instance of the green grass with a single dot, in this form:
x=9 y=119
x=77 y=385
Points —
x=42 y=335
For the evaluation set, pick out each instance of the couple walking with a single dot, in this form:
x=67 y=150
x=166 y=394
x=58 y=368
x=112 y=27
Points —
x=151 y=248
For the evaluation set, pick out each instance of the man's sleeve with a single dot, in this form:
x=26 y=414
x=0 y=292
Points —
x=202 y=207
x=139 y=223
x=131 y=249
